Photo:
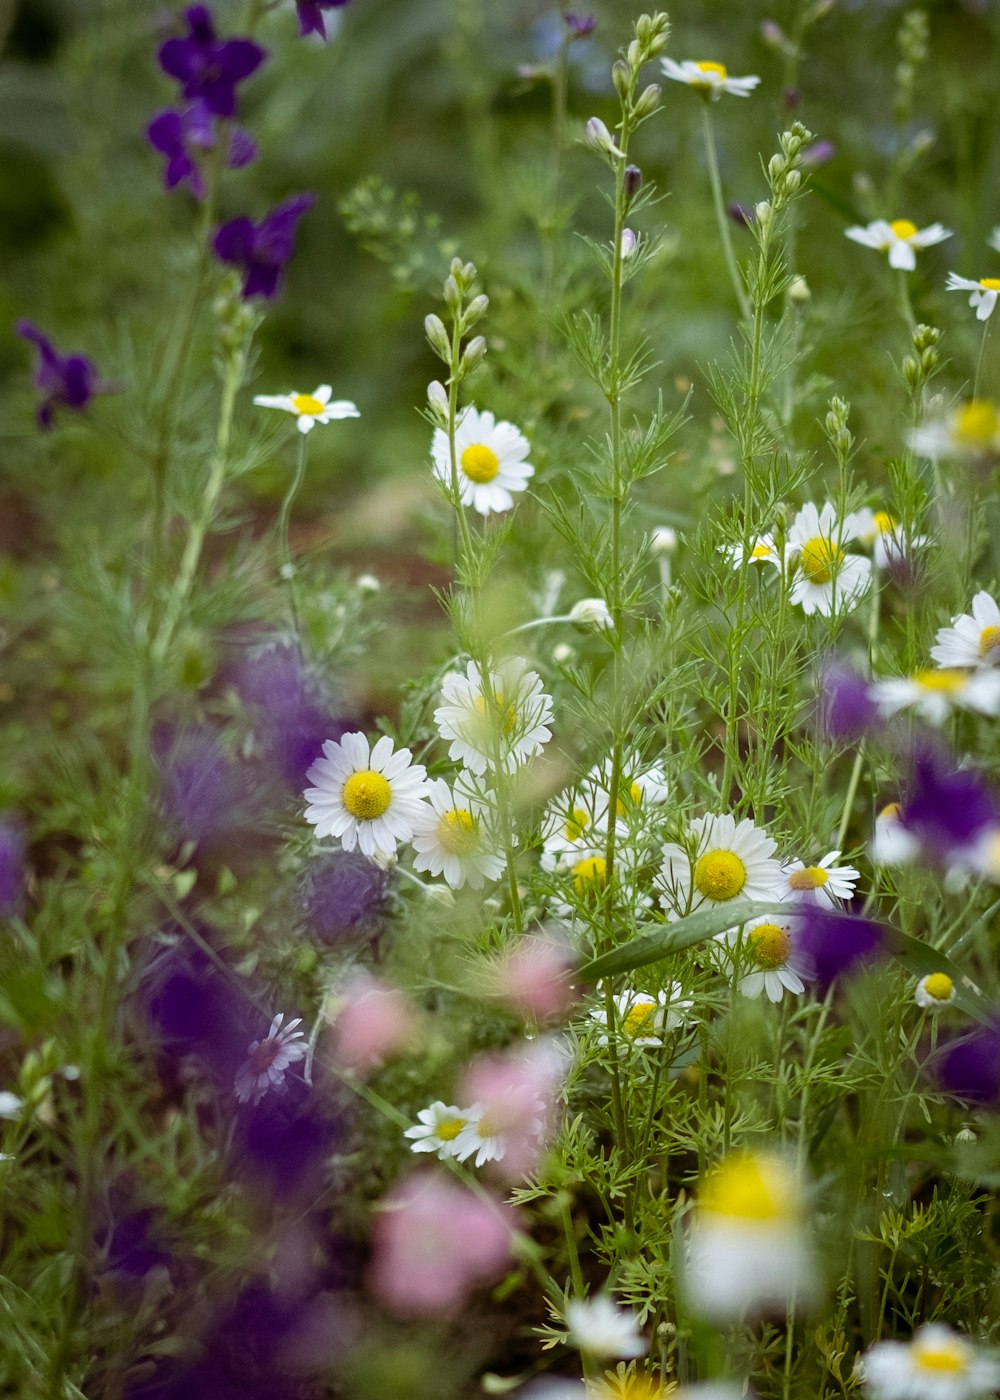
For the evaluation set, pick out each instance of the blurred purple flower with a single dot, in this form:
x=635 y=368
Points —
x=11 y=867
x=946 y=808
x=291 y=713
x=67 y=380
x=129 y=1242
x=580 y=26
x=207 y=67
x=311 y=15
x=846 y=708
x=282 y=1145
x=205 y=797
x=345 y=898
x=180 y=139
x=263 y=249
x=195 y=1010
x=969 y=1068
x=818 y=153
x=832 y=944
x=741 y=214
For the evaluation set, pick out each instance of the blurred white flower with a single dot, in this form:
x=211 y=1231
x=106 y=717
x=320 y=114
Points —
x=935 y=1364
x=899 y=239
x=310 y=409
x=984 y=293
x=600 y=1328
x=710 y=79
x=971 y=640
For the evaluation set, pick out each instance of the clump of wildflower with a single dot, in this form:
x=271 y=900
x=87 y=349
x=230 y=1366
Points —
x=827 y=578
x=310 y=409
x=708 y=78
x=972 y=639
x=208 y=68
x=901 y=239
x=455 y=836
x=369 y=797
x=937 y=1363
x=262 y=250
x=490 y=458
x=64 y=381
x=600 y=1328
x=984 y=293
x=268 y=1059
x=643 y=1019
x=726 y=861
x=502 y=730
x=934 y=992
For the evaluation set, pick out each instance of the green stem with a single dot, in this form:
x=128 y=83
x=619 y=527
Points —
x=287 y=567
x=859 y=757
x=981 y=358
x=905 y=304
x=721 y=217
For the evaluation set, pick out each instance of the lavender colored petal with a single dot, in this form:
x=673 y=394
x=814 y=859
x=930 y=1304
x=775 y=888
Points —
x=831 y=945
x=847 y=710
x=242 y=149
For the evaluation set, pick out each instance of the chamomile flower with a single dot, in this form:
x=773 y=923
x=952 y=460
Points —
x=574 y=822
x=513 y=1120
x=878 y=531
x=642 y=1019
x=600 y=1328
x=934 y=992
x=310 y=409
x=491 y=460
x=825 y=883
x=935 y=1364
x=970 y=430
x=892 y=841
x=827 y=578
x=971 y=640
x=762 y=550
x=708 y=78
x=504 y=729
x=900 y=239
x=454 y=836
x=726 y=861
x=367 y=797
x=934 y=694
x=984 y=293
x=439 y=1127
x=764 y=958
x=268 y=1059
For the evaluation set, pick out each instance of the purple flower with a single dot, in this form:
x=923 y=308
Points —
x=11 y=867
x=946 y=808
x=846 y=708
x=195 y=1011
x=292 y=715
x=345 y=898
x=180 y=137
x=263 y=249
x=205 y=797
x=832 y=944
x=67 y=380
x=580 y=26
x=741 y=214
x=969 y=1068
x=208 y=68
x=311 y=15
x=818 y=153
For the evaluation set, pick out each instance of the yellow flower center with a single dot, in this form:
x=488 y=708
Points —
x=457 y=832
x=589 y=875
x=480 y=463
x=639 y=1019
x=939 y=986
x=902 y=228
x=891 y=812
x=991 y=284
x=366 y=795
x=719 y=875
x=769 y=946
x=976 y=423
x=576 y=824
x=811 y=878
x=507 y=714
x=819 y=558
x=946 y=681
x=761 y=551
x=750 y=1188
x=305 y=403
x=449 y=1128
x=940 y=1358
x=708 y=66
x=884 y=522
x=634 y=799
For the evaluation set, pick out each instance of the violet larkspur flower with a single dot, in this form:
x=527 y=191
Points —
x=847 y=710
x=831 y=944
x=344 y=899
x=580 y=26
x=207 y=67
x=946 y=808
x=263 y=249
x=311 y=15
x=69 y=381
x=969 y=1067
x=180 y=136
x=11 y=867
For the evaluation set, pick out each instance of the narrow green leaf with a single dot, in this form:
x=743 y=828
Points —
x=664 y=939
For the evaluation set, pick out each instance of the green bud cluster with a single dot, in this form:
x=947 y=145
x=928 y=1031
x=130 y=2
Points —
x=463 y=315
x=913 y=41
x=838 y=434
x=783 y=173
x=919 y=367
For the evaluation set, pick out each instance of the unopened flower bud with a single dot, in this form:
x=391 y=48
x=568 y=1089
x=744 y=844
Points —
x=798 y=291
x=663 y=541
x=437 y=337
x=468 y=274
x=621 y=76
x=591 y=615
x=648 y=101
x=383 y=860
x=599 y=139
x=473 y=354
x=772 y=34
x=475 y=311
x=580 y=26
x=763 y=214
x=964 y=1136
x=440 y=895
x=629 y=242
x=632 y=182
x=437 y=398
x=452 y=294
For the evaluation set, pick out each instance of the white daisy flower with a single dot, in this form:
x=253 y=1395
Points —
x=367 y=797
x=762 y=550
x=573 y=825
x=827 y=579
x=971 y=640
x=935 y=1364
x=509 y=726
x=899 y=239
x=822 y=884
x=642 y=1019
x=934 y=992
x=455 y=838
x=267 y=1059
x=599 y=1328
x=708 y=78
x=934 y=694
x=495 y=1128
x=765 y=954
x=892 y=842
x=439 y=1128
x=491 y=459
x=970 y=430
x=727 y=861
x=984 y=293
x=878 y=531
x=310 y=409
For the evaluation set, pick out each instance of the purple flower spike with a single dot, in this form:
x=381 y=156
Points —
x=970 y=1068
x=209 y=68
x=181 y=136
x=946 y=808
x=311 y=15
x=11 y=867
x=831 y=945
x=263 y=249
x=67 y=380
x=846 y=709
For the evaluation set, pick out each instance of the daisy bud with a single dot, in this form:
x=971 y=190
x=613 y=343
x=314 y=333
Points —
x=437 y=399
x=437 y=337
x=591 y=615
x=791 y=183
x=649 y=100
x=772 y=34
x=383 y=860
x=663 y=541
x=440 y=895
x=965 y=1135
x=562 y=653
x=633 y=181
x=469 y=274
x=473 y=354
x=475 y=311
x=621 y=76
x=635 y=55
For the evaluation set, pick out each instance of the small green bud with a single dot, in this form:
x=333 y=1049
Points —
x=437 y=337
x=475 y=311
x=647 y=103
x=763 y=213
x=473 y=355
x=621 y=76
x=452 y=295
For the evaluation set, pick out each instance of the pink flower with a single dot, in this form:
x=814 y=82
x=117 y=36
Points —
x=435 y=1242
x=372 y=1022
x=514 y=1093
x=535 y=976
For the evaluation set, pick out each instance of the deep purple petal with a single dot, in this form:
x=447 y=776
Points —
x=200 y=23
x=832 y=944
x=177 y=59
x=238 y=58
x=970 y=1067
x=946 y=807
x=310 y=18
x=847 y=710
x=165 y=133
x=275 y=240
x=261 y=280
x=233 y=242
x=242 y=149
x=11 y=867
x=78 y=381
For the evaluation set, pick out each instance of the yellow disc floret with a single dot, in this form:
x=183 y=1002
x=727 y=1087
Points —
x=307 y=404
x=976 y=424
x=638 y=1020
x=449 y=1128
x=589 y=875
x=456 y=831
x=939 y=986
x=991 y=284
x=903 y=228
x=719 y=875
x=576 y=823
x=989 y=644
x=819 y=558
x=480 y=463
x=750 y=1187
x=708 y=66
x=940 y=1357
x=366 y=795
x=769 y=946
x=811 y=878
x=948 y=680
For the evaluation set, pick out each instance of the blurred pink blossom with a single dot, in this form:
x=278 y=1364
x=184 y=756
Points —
x=535 y=976
x=371 y=1022
x=515 y=1092
x=435 y=1242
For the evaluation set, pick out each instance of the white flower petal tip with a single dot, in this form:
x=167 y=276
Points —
x=708 y=78
x=600 y=1328
x=901 y=239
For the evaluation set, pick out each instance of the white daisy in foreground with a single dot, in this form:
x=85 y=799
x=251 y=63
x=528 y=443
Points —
x=934 y=694
x=642 y=1019
x=490 y=458
x=709 y=78
x=984 y=293
x=827 y=579
x=971 y=640
x=267 y=1059
x=934 y=992
x=748 y=1253
x=367 y=797
x=726 y=861
x=439 y=1127
x=454 y=837
x=892 y=842
x=900 y=239
x=824 y=884
x=503 y=729
x=600 y=1328
x=878 y=531
x=310 y=409
x=762 y=550
x=936 y=1364
x=970 y=430
x=765 y=954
